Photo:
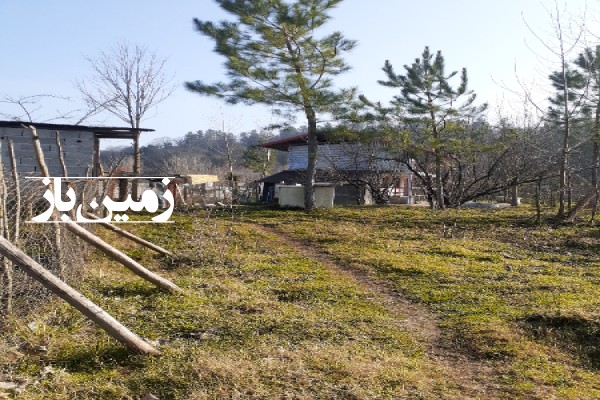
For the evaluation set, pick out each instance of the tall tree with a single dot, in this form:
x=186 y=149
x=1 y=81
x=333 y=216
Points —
x=427 y=99
x=256 y=158
x=565 y=104
x=588 y=63
x=273 y=57
x=565 y=107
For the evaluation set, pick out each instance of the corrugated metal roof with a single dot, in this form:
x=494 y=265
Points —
x=102 y=130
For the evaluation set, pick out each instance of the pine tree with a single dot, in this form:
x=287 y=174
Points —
x=427 y=97
x=274 y=58
x=588 y=63
x=565 y=106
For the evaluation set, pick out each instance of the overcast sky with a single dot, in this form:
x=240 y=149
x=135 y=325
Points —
x=43 y=45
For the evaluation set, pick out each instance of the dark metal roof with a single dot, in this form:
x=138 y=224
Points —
x=285 y=143
x=288 y=177
x=100 y=131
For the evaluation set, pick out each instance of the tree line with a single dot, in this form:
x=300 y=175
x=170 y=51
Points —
x=275 y=54
x=433 y=125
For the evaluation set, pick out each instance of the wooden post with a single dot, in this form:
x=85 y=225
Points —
x=76 y=299
x=15 y=174
x=96 y=159
x=137 y=166
x=61 y=156
x=131 y=236
x=122 y=258
x=39 y=155
x=5 y=232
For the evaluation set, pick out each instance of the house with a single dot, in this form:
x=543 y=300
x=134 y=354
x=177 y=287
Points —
x=80 y=145
x=359 y=172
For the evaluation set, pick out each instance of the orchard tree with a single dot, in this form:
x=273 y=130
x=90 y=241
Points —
x=127 y=82
x=428 y=102
x=273 y=57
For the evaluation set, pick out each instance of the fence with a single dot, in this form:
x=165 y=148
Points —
x=49 y=244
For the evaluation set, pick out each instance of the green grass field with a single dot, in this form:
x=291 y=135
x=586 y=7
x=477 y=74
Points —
x=348 y=303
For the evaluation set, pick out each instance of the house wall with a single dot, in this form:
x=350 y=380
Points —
x=293 y=196
x=78 y=149
x=342 y=156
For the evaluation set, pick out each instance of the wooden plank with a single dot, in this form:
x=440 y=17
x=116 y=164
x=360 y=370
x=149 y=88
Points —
x=131 y=236
x=76 y=299
x=122 y=258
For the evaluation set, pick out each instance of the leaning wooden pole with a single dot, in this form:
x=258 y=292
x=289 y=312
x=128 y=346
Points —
x=17 y=183
x=4 y=224
x=131 y=236
x=76 y=299
x=61 y=155
x=100 y=244
x=122 y=258
x=39 y=155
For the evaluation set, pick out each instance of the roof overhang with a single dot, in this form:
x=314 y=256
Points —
x=101 y=132
x=298 y=140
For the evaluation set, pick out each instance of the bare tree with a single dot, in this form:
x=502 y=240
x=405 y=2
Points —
x=127 y=82
x=27 y=108
x=566 y=104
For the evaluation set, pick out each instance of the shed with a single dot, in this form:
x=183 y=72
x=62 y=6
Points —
x=80 y=145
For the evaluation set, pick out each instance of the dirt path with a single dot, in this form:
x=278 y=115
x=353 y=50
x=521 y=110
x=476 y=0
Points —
x=475 y=378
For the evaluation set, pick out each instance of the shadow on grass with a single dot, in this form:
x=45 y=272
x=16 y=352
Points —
x=574 y=334
x=171 y=263
x=91 y=360
x=129 y=289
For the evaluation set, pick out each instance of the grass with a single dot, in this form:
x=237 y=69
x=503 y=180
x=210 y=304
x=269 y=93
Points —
x=259 y=319
x=521 y=295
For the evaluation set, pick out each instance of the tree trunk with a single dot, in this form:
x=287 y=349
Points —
x=137 y=166
x=311 y=169
x=439 y=186
x=564 y=154
x=514 y=200
x=580 y=205
x=538 y=206
x=596 y=160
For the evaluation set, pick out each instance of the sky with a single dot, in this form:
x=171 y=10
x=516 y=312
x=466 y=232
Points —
x=44 y=45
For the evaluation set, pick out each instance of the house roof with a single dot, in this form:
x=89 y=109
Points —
x=287 y=177
x=285 y=143
x=100 y=131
